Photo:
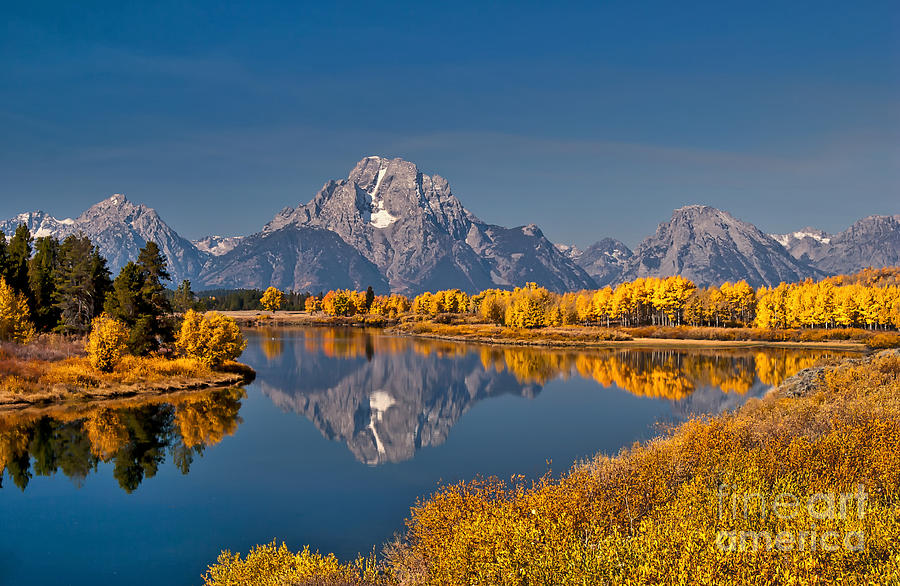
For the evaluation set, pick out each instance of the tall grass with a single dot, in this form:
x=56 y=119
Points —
x=653 y=514
x=54 y=363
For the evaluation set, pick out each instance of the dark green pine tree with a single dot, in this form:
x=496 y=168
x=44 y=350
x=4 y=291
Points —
x=139 y=301
x=184 y=298
x=81 y=282
x=125 y=304
x=4 y=258
x=18 y=252
x=41 y=282
x=154 y=271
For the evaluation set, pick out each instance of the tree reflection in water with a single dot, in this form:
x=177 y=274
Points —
x=136 y=436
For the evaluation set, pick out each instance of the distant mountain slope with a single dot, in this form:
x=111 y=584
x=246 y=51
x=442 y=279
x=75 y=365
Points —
x=120 y=229
x=39 y=224
x=604 y=261
x=870 y=242
x=710 y=246
x=393 y=227
x=418 y=234
x=302 y=258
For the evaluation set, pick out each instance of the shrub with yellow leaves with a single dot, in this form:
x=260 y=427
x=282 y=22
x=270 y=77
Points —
x=211 y=338
x=15 y=319
x=272 y=299
x=271 y=564
x=657 y=513
x=106 y=342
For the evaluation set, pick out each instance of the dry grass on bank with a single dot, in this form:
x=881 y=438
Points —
x=52 y=367
x=873 y=339
x=654 y=513
x=576 y=335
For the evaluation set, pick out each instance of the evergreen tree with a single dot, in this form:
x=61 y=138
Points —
x=18 y=253
x=370 y=297
x=81 y=282
x=41 y=283
x=139 y=301
x=157 y=319
x=4 y=257
x=125 y=304
x=184 y=298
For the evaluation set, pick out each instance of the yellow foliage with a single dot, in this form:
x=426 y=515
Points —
x=204 y=420
x=271 y=565
x=106 y=432
x=106 y=342
x=211 y=338
x=653 y=514
x=272 y=299
x=313 y=304
x=339 y=302
x=15 y=318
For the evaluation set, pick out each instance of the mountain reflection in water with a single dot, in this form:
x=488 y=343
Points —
x=387 y=396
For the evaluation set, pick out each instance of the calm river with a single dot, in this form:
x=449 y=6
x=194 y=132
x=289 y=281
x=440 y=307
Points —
x=340 y=433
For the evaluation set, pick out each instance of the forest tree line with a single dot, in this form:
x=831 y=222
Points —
x=48 y=285
x=870 y=299
x=52 y=285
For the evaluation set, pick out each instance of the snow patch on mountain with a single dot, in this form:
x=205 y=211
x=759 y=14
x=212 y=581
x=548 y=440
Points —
x=217 y=245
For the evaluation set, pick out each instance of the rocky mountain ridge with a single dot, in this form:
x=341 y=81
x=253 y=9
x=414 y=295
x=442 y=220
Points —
x=120 y=229
x=872 y=241
x=414 y=230
x=393 y=227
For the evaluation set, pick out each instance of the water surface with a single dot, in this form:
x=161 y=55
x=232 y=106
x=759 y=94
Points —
x=339 y=434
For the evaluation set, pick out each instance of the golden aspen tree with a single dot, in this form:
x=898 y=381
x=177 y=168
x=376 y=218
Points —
x=338 y=303
x=272 y=299
x=15 y=318
x=313 y=304
x=422 y=303
x=602 y=302
x=106 y=343
x=211 y=338
x=584 y=307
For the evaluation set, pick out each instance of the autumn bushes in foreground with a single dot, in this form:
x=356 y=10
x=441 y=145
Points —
x=206 y=343
x=692 y=507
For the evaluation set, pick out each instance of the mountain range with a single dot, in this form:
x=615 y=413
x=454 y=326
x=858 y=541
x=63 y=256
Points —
x=391 y=226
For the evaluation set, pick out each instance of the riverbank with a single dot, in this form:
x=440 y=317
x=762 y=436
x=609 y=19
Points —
x=467 y=329
x=55 y=370
x=253 y=318
x=594 y=337
x=672 y=510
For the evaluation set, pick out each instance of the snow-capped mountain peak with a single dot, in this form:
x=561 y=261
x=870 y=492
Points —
x=120 y=229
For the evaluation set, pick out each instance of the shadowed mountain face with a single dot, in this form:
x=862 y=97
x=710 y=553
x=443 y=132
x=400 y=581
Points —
x=869 y=242
x=120 y=229
x=604 y=260
x=709 y=247
x=388 y=397
x=296 y=257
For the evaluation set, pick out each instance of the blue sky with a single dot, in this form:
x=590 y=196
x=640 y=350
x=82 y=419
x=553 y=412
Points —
x=590 y=120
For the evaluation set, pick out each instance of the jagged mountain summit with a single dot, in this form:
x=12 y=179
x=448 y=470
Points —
x=604 y=260
x=397 y=229
x=39 y=224
x=870 y=242
x=413 y=229
x=709 y=247
x=120 y=229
